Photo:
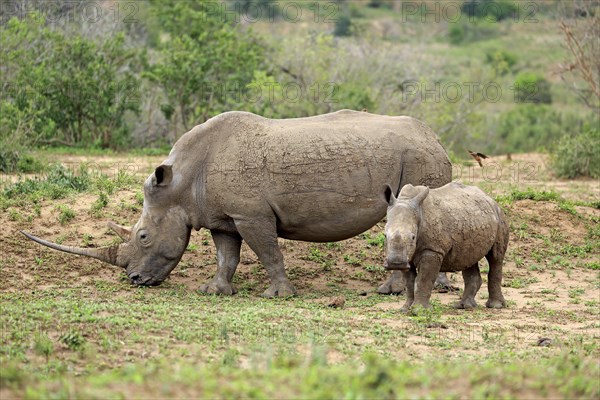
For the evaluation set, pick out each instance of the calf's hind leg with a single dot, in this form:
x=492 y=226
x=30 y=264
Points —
x=496 y=299
x=472 y=279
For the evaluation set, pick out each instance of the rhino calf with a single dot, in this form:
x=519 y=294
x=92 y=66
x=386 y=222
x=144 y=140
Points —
x=446 y=229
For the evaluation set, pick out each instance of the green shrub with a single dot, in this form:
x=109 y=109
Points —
x=343 y=26
x=379 y=4
x=199 y=61
x=59 y=182
x=493 y=10
x=531 y=127
x=532 y=88
x=466 y=31
x=577 y=155
x=501 y=61
x=64 y=87
x=66 y=214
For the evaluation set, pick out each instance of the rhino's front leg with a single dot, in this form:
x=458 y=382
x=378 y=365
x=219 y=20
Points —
x=428 y=268
x=261 y=236
x=228 y=257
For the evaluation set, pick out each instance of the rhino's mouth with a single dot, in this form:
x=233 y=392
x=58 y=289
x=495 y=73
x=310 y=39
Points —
x=138 y=280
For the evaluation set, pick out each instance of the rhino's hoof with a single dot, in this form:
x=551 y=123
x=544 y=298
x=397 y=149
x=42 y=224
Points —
x=391 y=286
x=213 y=287
x=280 y=289
x=443 y=284
x=495 y=303
x=467 y=304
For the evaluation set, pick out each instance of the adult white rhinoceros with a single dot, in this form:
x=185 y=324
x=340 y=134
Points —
x=246 y=177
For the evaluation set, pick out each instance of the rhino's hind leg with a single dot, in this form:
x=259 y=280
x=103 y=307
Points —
x=261 y=236
x=443 y=284
x=394 y=285
x=472 y=278
x=228 y=257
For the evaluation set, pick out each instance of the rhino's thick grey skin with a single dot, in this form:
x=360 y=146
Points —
x=250 y=178
x=446 y=229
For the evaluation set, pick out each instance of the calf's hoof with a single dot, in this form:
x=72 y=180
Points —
x=279 y=289
x=217 y=287
x=466 y=304
x=392 y=286
x=495 y=303
x=418 y=308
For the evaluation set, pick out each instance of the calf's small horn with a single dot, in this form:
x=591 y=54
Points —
x=111 y=254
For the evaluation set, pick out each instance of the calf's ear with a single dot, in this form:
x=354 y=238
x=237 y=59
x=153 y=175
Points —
x=422 y=193
x=388 y=195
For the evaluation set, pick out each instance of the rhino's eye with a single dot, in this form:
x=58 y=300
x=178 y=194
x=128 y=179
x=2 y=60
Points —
x=143 y=236
x=412 y=236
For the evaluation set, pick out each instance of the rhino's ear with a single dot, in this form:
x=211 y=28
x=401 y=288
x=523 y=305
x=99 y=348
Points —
x=163 y=175
x=388 y=195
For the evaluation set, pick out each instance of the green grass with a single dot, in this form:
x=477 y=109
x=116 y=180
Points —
x=171 y=341
x=284 y=375
x=65 y=214
x=60 y=182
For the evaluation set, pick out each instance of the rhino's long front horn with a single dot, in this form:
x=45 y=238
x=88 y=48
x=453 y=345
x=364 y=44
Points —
x=112 y=254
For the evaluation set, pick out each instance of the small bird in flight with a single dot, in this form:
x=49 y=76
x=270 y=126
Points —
x=478 y=157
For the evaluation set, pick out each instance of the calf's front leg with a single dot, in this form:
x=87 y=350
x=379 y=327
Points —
x=409 y=278
x=428 y=268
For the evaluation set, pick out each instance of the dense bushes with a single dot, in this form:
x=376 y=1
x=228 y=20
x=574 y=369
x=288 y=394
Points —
x=110 y=84
x=203 y=66
x=61 y=88
x=467 y=31
x=532 y=88
x=578 y=155
x=531 y=127
x=494 y=10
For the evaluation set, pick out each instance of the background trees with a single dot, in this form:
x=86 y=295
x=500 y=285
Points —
x=130 y=74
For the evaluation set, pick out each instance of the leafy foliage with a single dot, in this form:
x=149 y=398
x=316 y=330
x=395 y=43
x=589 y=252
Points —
x=467 y=31
x=528 y=127
x=578 y=155
x=203 y=65
x=64 y=88
x=532 y=88
x=494 y=10
x=502 y=61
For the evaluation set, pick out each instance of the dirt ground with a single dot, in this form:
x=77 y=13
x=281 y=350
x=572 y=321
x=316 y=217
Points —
x=550 y=290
